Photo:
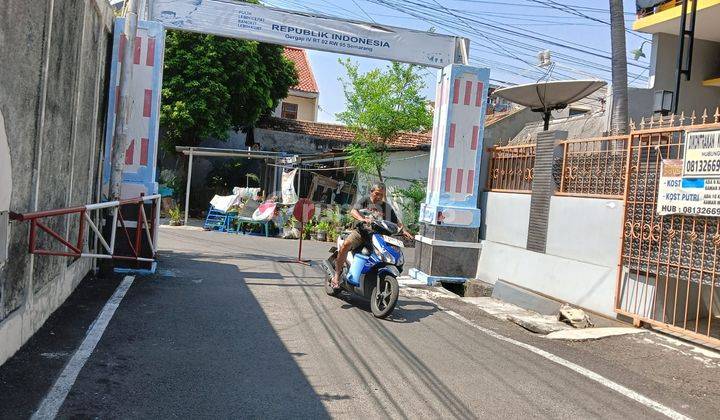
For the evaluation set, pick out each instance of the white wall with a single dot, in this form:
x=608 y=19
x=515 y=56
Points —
x=585 y=229
x=587 y=285
x=506 y=218
x=580 y=263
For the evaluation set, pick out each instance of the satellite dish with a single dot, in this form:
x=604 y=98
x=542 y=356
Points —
x=549 y=96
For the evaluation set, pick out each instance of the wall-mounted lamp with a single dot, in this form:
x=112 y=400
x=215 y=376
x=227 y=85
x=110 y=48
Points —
x=638 y=52
x=662 y=104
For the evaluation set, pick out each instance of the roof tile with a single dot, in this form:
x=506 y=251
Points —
x=306 y=77
x=339 y=132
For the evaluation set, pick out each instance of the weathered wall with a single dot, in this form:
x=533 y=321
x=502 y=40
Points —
x=53 y=69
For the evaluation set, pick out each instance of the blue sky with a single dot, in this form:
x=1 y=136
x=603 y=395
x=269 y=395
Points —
x=506 y=54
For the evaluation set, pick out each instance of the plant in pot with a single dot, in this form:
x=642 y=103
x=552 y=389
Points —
x=309 y=229
x=322 y=230
x=332 y=235
x=175 y=216
x=289 y=230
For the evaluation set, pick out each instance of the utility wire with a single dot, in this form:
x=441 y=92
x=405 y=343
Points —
x=568 y=9
x=363 y=10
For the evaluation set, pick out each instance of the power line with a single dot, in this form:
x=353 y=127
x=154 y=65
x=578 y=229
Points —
x=568 y=9
x=363 y=10
x=523 y=34
x=432 y=19
x=498 y=38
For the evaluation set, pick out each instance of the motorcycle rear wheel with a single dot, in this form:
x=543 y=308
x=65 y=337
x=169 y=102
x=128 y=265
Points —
x=328 y=288
x=382 y=302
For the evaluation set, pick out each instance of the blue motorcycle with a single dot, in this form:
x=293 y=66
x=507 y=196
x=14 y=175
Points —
x=371 y=270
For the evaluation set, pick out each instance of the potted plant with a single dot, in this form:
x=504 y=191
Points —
x=289 y=230
x=332 y=235
x=175 y=216
x=309 y=229
x=322 y=230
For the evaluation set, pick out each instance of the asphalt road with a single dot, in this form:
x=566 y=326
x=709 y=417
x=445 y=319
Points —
x=223 y=330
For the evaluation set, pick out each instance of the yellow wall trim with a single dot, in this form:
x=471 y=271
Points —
x=712 y=82
x=670 y=14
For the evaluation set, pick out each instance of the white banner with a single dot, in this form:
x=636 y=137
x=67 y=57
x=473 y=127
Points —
x=276 y=26
x=692 y=196
x=702 y=154
x=289 y=196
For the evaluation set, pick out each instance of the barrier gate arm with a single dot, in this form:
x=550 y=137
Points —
x=84 y=212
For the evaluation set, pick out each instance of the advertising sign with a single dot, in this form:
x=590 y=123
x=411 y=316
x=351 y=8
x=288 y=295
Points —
x=275 y=26
x=692 y=196
x=702 y=154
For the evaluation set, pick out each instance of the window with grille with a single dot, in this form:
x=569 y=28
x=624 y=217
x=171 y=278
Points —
x=289 y=111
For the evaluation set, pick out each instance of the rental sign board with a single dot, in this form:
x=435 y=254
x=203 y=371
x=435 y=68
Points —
x=692 y=196
x=692 y=185
x=702 y=154
x=276 y=26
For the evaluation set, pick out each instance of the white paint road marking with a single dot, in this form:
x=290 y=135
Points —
x=56 y=397
x=629 y=393
x=669 y=412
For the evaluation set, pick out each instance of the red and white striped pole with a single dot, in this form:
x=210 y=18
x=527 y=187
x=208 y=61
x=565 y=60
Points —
x=122 y=115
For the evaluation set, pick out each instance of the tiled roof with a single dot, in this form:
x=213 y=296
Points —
x=304 y=70
x=339 y=132
x=342 y=133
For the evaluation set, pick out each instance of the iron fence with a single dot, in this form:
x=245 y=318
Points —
x=668 y=268
x=593 y=167
x=511 y=168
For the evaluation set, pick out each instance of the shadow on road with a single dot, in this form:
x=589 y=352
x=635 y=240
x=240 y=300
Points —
x=406 y=311
x=182 y=348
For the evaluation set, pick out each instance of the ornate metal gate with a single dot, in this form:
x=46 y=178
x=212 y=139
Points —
x=668 y=271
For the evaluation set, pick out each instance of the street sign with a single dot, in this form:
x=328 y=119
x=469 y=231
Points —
x=702 y=154
x=304 y=210
x=315 y=32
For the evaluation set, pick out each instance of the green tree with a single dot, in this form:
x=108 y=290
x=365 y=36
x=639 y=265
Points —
x=213 y=84
x=380 y=105
x=411 y=199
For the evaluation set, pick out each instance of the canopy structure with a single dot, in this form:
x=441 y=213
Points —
x=298 y=160
x=549 y=96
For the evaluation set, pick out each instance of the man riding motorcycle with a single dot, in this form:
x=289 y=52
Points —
x=376 y=205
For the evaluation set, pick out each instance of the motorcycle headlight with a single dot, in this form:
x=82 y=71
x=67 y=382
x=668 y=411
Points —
x=401 y=257
x=382 y=252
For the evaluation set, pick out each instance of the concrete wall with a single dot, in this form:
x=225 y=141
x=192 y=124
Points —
x=53 y=70
x=706 y=65
x=580 y=262
x=307 y=107
x=506 y=218
x=587 y=285
x=585 y=229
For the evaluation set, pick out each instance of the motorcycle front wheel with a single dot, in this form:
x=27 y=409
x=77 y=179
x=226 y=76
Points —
x=385 y=296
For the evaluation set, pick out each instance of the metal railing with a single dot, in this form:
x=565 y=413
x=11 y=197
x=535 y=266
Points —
x=75 y=247
x=511 y=168
x=669 y=270
x=667 y=4
x=593 y=167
